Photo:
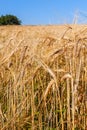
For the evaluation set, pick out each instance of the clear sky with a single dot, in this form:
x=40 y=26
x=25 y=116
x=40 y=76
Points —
x=43 y=11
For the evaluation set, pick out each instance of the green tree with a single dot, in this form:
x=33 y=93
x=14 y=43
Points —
x=9 y=20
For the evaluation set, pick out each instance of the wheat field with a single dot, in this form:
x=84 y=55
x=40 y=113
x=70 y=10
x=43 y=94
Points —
x=43 y=77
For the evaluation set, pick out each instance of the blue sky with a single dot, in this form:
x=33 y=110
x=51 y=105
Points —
x=43 y=11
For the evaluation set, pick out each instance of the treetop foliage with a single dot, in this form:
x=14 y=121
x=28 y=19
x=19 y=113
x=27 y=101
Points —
x=9 y=20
